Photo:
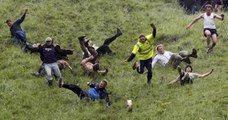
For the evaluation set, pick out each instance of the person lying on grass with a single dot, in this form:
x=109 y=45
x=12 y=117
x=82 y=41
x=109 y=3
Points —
x=187 y=76
x=166 y=57
x=96 y=91
x=101 y=50
x=89 y=63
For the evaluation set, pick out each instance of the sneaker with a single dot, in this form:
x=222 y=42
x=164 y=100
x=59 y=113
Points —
x=194 y=53
x=49 y=82
x=209 y=50
x=135 y=65
x=118 y=32
x=103 y=72
x=81 y=38
x=60 y=82
x=35 y=74
x=187 y=60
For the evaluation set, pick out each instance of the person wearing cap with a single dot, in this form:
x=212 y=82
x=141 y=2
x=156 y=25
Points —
x=96 y=91
x=187 y=76
x=48 y=54
x=209 y=26
x=164 y=57
x=144 y=49
x=16 y=31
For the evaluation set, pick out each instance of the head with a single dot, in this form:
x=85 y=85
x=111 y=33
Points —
x=103 y=84
x=160 y=48
x=188 y=68
x=96 y=67
x=142 y=38
x=208 y=8
x=9 y=22
x=49 y=41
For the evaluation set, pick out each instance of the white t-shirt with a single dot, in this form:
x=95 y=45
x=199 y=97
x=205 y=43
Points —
x=162 y=59
x=209 y=21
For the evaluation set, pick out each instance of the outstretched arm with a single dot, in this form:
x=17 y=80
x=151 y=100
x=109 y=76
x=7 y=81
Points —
x=221 y=17
x=23 y=17
x=194 y=21
x=174 y=81
x=206 y=74
x=154 y=29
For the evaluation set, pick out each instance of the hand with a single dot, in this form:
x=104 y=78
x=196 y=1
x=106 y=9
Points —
x=26 y=10
x=211 y=71
x=222 y=15
x=152 y=25
x=188 y=27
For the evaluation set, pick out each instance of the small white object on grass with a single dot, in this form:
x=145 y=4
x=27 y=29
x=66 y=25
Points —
x=129 y=105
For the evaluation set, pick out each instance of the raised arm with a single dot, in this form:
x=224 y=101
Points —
x=194 y=21
x=23 y=17
x=154 y=30
x=221 y=17
x=206 y=74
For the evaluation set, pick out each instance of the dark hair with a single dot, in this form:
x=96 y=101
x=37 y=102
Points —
x=105 y=81
x=8 y=20
x=187 y=67
x=96 y=67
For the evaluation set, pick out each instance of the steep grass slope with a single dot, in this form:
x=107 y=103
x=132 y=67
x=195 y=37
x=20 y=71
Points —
x=23 y=96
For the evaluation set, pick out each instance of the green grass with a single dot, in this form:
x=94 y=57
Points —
x=23 y=96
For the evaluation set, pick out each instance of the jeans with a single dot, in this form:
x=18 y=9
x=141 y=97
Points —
x=49 y=67
x=76 y=89
x=20 y=36
x=148 y=65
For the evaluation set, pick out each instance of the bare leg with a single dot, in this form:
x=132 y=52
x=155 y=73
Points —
x=208 y=34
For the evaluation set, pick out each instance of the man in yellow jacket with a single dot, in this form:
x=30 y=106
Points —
x=144 y=49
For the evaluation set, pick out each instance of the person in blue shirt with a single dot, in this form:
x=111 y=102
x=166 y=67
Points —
x=96 y=91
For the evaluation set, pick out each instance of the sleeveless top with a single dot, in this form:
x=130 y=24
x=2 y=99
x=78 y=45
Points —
x=209 y=21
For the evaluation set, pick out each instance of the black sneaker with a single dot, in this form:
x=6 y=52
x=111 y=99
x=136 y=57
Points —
x=60 y=82
x=209 y=50
x=118 y=32
x=49 y=82
x=81 y=38
x=194 y=53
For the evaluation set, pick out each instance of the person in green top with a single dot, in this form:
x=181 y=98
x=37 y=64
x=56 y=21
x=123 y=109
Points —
x=144 y=49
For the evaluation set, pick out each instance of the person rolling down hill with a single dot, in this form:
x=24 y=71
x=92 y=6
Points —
x=49 y=56
x=187 y=76
x=209 y=26
x=103 y=49
x=144 y=49
x=166 y=57
x=89 y=63
x=17 y=32
x=96 y=91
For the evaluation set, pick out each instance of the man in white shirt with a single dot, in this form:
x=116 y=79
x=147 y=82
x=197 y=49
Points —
x=166 y=57
x=209 y=26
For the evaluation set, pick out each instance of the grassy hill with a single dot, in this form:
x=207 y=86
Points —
x=23 y=96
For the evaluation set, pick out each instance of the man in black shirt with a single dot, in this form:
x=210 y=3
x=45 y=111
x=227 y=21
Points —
x=16 y=31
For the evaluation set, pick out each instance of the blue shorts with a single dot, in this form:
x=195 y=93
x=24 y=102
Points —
x=213 y=31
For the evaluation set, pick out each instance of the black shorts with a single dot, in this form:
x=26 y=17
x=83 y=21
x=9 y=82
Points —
x=213 y=31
